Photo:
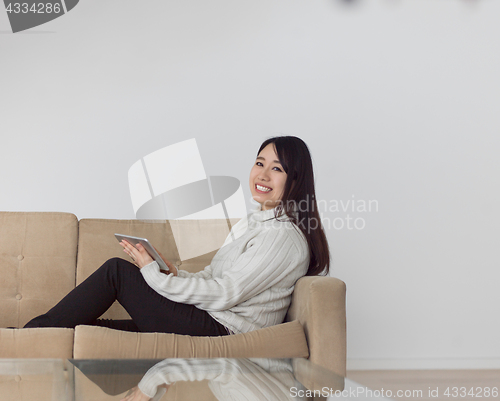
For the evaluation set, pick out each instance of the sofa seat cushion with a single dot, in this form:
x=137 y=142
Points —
x=42 y=342
x=286 y=340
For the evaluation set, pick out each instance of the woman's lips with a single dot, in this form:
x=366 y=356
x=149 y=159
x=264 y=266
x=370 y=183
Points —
x=262 y=192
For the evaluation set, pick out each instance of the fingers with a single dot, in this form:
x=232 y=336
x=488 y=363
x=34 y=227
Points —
x=143 y=252
x=141 y=249
x=126 y=244
x=130 y=395
x=138 y=248
x=134 y=250
x=138 y=254
x=129 y=249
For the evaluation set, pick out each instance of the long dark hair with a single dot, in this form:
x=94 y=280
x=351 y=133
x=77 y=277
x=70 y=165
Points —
x=295 y=158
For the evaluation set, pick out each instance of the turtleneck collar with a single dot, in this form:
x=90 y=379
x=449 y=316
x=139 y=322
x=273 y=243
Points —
x=258 y=214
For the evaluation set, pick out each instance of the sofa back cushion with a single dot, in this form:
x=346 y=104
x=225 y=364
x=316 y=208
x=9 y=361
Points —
x=199 y=240
x=37 y=263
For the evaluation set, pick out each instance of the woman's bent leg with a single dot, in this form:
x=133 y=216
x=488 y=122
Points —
x=118 y=279
x=86 y=302
x=152 y=312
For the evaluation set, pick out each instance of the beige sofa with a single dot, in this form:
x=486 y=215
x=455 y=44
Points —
x=43 y=255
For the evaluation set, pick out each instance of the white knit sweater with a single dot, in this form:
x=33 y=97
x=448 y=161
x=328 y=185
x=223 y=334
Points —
x=248 y=284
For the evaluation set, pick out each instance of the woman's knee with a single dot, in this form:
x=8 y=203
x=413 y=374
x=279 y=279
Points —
x=117 y=262
x=118 y=269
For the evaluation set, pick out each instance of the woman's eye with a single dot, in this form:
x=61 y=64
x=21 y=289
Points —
x=260 y=164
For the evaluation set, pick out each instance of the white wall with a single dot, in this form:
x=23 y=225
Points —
x=398 y=101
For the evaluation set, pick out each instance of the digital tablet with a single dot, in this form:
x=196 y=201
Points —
x=147 y=245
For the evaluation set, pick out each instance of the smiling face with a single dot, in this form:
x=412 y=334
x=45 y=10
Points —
x=267 y=178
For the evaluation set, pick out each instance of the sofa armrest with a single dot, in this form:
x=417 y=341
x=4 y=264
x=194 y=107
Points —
x=318 y=303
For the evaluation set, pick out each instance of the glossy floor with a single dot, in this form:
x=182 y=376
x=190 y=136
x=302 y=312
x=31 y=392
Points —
x=427 y=385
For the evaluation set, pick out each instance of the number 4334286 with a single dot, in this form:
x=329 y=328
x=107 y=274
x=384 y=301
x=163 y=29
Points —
x=478 y=392
x=37 y=8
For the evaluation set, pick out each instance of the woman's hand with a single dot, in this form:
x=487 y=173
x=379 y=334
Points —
x=136 y=394
x=138 y=253
x=170 y=265
x=141 y=257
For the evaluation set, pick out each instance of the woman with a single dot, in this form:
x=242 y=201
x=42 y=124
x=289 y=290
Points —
x=248 y=284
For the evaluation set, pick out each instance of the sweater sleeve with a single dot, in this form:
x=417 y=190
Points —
x=205 y=273
x=269 y=257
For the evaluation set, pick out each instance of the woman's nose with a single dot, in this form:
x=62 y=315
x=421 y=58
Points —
x=264 y=173
x=264 y=176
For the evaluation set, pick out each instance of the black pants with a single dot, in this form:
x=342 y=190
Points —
x=118 y=279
